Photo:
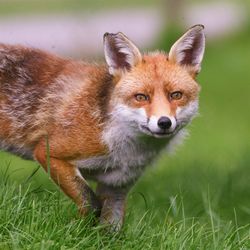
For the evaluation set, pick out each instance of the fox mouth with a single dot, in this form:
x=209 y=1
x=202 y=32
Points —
x=147 y=131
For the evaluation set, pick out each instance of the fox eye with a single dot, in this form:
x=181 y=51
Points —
x=141 y=97
x=177 y=95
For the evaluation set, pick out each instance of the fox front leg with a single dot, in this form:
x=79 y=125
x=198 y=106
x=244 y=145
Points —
x=68 y=178
x=113 y=206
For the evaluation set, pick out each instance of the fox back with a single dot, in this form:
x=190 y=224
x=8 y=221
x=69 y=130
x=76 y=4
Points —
x=41 y=94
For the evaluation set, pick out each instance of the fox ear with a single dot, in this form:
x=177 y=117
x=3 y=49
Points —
x=120 y=53
x=189 y=49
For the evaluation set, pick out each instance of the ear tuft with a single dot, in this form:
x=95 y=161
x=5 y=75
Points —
x=189 y=49
x=120 y=53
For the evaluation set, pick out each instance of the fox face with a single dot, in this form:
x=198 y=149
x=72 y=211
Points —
x=156 y=94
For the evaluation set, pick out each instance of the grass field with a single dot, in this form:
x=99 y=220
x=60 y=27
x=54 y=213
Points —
x=198 y=198
x=31 y=7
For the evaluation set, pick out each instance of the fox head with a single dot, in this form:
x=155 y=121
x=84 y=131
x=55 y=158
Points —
x=155 y=93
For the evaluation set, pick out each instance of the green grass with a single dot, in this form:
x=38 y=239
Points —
x=31 y=7
x=41 y=219
x=197 y=198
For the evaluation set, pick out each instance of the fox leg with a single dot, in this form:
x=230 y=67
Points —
x=69 y=179
x=113 y=205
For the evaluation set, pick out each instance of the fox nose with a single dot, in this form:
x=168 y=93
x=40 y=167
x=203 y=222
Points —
x=164 y=122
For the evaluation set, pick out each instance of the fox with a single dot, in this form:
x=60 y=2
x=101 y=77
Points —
x=103 y=122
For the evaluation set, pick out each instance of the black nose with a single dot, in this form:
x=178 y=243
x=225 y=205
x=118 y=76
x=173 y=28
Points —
x=164 y=122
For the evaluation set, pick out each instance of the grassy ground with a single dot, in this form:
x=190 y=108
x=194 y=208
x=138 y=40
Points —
x=195 y=199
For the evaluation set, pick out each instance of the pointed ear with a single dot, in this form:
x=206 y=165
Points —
x=189 y=49
x=120 y=53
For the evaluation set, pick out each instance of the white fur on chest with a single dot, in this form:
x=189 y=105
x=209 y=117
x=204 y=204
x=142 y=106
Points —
x=129 y=153
x=126 y=159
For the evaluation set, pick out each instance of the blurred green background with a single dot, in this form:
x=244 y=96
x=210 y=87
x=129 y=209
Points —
x=213 y=165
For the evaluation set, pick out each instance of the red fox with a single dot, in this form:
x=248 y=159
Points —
x=103 y=122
